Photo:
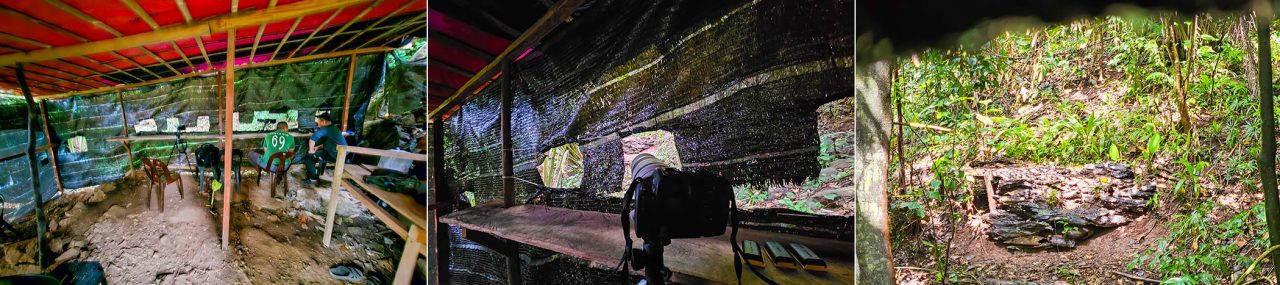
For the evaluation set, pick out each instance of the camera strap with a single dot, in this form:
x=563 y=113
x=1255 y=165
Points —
x=625 y=263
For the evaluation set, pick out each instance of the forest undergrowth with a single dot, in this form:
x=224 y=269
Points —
x=1171 y=96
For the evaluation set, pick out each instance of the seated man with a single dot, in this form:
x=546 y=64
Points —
x=322 y=148
x=275 y=142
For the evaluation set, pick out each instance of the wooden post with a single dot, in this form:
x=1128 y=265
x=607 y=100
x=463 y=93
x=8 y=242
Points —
x=1267 y=159
x=228 y=126
x=444 y=200
x=508 y=175
x=124 y=128
x=333 y=194
x=346 y=103
x=42 y=224
x=48 y=139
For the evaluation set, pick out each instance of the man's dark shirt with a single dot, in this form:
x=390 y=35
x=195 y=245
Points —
x=329 y=137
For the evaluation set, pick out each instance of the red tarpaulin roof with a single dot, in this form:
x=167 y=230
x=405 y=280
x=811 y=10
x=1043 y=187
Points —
x=28 y=27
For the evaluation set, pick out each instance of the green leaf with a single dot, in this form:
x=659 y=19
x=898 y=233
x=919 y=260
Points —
x=1114 y=153
x=984 y=119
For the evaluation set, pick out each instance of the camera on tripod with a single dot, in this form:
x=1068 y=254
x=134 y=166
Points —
x=671 y=204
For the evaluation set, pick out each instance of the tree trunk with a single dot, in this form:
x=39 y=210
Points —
x=873 y=259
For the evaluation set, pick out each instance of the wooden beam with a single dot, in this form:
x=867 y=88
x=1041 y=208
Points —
x=348 y=24
x=9 y=13
x=42 y=223
x=216 y=25
x=182 y=6
x=113 y=67
x=376 y=23
x=386 y=153
x=313 y=32
x=284 y=40
x=58 y=78
x=142 y=13
x=258 y=36
x=135 y=63
x=443 y=198
x=83 y=17
x=228 y=128
x=175 y=47
x=346 y=101
x=549 y=21
x=24 y=40
x=159 y=59
x=203 y=52
x=441 y=38
x=411 y=24
x=48 y=140
x=215 y=70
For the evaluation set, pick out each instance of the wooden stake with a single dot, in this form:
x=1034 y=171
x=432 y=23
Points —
x=48 y=139
x=42 y=223
x=124 y=128
x=228 y=127
x=346 y=103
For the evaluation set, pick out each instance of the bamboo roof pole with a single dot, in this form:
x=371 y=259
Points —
x=258 y=37
x=228 y=126
x=348 y=24
x=376 y=23
x=313 y=32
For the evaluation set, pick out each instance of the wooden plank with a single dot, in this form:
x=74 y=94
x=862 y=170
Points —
x=415 y=242
x=383 y=152
x=136 y=63
x=597 y=238
x=382 y=214
x=204 y=28
x=333 y=196
x=346 y=101
x=48 y=140
x=228 y=124
x=548 y=22
x=216 y=70
x=403 y=204
x=258 y=36
x=170 y=137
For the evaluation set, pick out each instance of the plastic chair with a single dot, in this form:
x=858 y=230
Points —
x=278 y=171
x=159 y=175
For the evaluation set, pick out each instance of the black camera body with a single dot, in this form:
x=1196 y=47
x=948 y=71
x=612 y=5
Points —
x=673 y=204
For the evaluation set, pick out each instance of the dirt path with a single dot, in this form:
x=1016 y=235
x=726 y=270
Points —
x=275 y=241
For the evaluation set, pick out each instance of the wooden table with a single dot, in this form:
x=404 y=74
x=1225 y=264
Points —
x=414 y=235
x=597 y=238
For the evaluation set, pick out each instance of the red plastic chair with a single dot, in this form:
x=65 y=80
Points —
x=159 y=174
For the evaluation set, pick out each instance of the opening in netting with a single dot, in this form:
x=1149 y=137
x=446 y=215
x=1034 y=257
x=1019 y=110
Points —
x=660 y=143
x=561 y=167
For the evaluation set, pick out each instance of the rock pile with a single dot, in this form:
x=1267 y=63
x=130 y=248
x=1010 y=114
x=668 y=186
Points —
x=1051 y=207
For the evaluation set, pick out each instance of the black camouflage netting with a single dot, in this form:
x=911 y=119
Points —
x=736 y=83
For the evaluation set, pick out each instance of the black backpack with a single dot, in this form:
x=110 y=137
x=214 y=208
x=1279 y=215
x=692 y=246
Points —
x=208 y=155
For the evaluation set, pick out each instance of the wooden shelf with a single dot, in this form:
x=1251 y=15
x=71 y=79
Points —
x=597 y=238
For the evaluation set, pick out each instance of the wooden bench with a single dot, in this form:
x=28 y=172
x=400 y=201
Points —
x=597 y=238
x=414 y=234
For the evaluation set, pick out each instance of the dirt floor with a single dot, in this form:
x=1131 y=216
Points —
x=1101 y=259
x=274 y=241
